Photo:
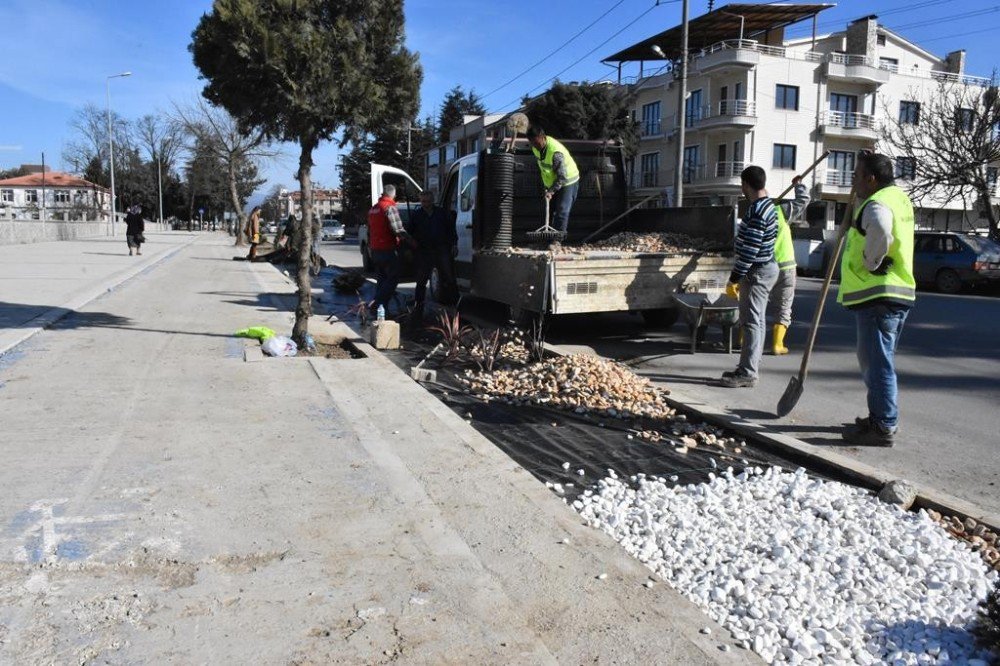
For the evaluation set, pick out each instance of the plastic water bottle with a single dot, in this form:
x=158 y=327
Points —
x=380 y=315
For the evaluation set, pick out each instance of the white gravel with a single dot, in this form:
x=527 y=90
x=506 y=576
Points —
x=801 y=570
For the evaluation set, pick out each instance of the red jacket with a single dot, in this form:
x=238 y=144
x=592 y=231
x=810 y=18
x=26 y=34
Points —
x=380 y=234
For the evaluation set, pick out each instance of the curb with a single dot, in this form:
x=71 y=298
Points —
x=815 y=458
x=54 y=314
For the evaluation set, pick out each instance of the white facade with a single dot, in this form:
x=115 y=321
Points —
x=326 y=203
x=780 y=106
x=57 y=196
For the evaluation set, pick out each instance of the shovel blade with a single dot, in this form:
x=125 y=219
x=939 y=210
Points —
x=790 y=397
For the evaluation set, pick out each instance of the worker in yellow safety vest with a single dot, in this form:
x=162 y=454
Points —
x=560 y=175
x=877 y=284
x=779 y=306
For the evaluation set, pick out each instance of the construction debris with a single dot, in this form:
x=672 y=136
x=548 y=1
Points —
x=657 y=242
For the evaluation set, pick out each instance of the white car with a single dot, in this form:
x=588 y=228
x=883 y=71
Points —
x=332 y=231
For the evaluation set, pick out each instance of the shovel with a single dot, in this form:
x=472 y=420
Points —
x=797 y=384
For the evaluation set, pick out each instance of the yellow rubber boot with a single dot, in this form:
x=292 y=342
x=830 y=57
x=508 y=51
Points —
x=778 y=335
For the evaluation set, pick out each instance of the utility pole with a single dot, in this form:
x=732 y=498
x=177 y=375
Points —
x=159 y=187
x=681 y=109
x=43 y=188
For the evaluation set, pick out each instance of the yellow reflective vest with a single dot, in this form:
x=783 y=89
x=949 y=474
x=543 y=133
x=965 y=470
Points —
x=857 y=284
x=784 y=251
x=545 y=163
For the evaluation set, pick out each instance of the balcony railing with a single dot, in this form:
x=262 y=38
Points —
x=889 y=67
x=729 y=169
x=849 y=120
x=961 y=78
x=851 y=59
x=729 y=107
x=840 y=178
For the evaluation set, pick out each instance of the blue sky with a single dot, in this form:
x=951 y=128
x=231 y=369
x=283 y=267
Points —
x=55 y=54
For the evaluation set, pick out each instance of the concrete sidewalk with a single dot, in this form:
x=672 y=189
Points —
x=41 y=282
x=164 y=501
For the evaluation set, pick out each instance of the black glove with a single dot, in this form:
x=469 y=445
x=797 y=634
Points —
x=884 y=266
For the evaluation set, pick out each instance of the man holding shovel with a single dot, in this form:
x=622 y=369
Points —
x=877 y=284
x=560 y=175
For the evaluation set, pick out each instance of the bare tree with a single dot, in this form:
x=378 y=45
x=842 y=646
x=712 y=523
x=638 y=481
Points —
x=948 y=146
x=219 y=132
x=90 y=128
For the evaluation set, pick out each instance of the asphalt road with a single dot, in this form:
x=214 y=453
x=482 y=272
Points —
x=949 y=374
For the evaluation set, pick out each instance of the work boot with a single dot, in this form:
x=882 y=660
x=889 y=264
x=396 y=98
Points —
x=778 y=339
x=865 y=432
x=737 y=379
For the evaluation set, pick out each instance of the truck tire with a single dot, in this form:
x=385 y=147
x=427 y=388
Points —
x=521 y=318
x=661 y=318
x=947 y=281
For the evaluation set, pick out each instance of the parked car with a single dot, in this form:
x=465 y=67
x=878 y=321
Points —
x=332 y=230
x=271 y=228
x=951 y=261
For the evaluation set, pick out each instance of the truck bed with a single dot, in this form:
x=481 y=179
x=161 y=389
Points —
x=576 y=281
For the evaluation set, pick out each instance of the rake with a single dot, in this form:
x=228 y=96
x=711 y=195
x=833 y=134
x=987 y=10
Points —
x=546 y=233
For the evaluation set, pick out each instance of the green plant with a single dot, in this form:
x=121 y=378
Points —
x=536 y=343
x=453 y=333
x=485 y=349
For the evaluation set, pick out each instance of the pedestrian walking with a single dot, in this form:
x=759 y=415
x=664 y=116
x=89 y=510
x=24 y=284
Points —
x=385 y=231
x=253 y=232
x=135 y=227
x=432 y=229
x=877 y=285
x=560 y=175
x=779 y=306
x=753 y=276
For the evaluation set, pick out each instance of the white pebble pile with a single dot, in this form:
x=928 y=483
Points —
x=800 y=570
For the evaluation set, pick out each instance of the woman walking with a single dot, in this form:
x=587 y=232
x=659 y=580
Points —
x=134 y=226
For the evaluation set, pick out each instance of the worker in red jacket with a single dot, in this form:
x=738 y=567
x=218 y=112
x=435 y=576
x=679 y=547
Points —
x=385 y=231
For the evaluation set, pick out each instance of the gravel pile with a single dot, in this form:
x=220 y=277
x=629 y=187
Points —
x=982 y=539
x=801 y=570
x=585 y=384
x=667 y=242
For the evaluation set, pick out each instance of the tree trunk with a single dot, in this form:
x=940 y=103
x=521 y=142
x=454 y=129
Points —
x=305 y=237
x=234 y=198
x=991 y=215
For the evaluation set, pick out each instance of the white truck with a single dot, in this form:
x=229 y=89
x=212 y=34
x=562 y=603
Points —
x=496 y=198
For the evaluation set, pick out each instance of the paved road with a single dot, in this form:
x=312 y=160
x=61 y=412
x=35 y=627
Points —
x=949 y=367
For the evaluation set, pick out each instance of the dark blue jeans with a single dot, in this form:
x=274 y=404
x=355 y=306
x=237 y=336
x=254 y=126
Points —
x=879 y=328
x=562 y=204
x=386 y=275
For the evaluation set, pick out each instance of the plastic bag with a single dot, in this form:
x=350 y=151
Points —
x=259 y=332
x=279 y=345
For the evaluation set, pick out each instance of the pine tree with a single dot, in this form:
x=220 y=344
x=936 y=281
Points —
x=594 y=111
x=457 y=104
x=304 y=71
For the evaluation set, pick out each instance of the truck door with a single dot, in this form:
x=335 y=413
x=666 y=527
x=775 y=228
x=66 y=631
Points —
x=407 y=190
x=468 y=182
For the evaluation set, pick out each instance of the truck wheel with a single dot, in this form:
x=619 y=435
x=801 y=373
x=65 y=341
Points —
x=521 y=318
x=661 y=318
x=366 y=258
x=947 y=281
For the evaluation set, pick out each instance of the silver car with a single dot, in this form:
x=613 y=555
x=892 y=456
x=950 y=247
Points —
x=332 y=231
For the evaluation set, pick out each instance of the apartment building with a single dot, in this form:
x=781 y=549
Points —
x=52 y=195
x=326 y=203
x=755 y=97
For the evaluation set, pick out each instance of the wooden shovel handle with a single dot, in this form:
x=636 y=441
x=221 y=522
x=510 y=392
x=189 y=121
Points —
x=845 y=224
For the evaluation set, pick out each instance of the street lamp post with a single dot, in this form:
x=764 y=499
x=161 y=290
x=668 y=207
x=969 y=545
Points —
x=111 y=144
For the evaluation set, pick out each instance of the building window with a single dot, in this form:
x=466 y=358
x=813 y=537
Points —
x=991 y=177
x=31 y=196
x=7 y=196
x=889 y=64
x=650 y=170
x=909 y=113
x=692 y=163
x=880 y=39
x=61 y=196
x=840 y=168
x=692 y=108
x=906 y=168
x=784 y=156
x=787 y=97
x=965 y=120
x=651 y=119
